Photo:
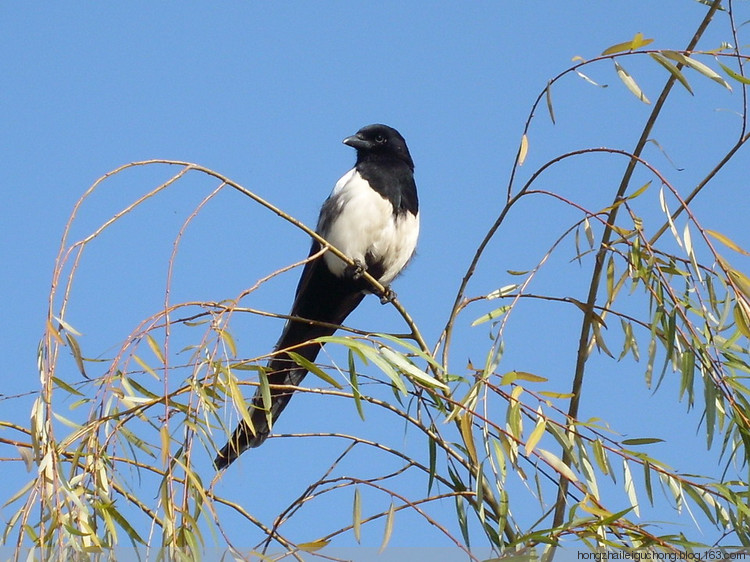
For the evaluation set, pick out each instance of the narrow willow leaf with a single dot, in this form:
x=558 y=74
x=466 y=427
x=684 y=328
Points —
x=502 y=291
x=739 y=77
x=383 y=365
x=165 y=441
x=589 y=232
x=662 y=60
x=520 y=376
x=467 y=434
x=585 y=309
x=314 y=369
x=75 y=349
x=726 y=241
x=515 y=425
x=228 y=340
x=239 y=400
x=54 y=332
x=548 y=93
x=588 y=472
x=630 y=83
x=590 y=507
x=67 y=327
x=155 y=348
x=357 y=515
x=665 y=209
x=600 y=456
x=698 y=66
x=536 y=434
x=560 y=395
x=494 y=315
x=555 y=462
x=741 y=281
x=354 y=379
x=432 y=446
x=742 y=319
x=388 y=527
x=710 y=396
x=699 y=500
x=145 y=366
x=688 y=239
x=589 y=80
x=523 y=151
x=124 y=523
x=500 y=458
x=599 y=339
x=66 y=387
x=647 y=481
x=630 y=487
x=66 y=421
x=265 y=396
x=610 y=278
x=635 y=43
x=480 y=490
x=642 y=441
x=313 y=545
x=411 y=370
x=640 y=191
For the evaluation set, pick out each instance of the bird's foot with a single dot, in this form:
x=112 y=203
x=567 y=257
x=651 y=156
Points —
x=356 y=271
x=388 y=295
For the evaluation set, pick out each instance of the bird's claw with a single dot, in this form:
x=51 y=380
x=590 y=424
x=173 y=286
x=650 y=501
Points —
x=355 y=271
x=388 y=295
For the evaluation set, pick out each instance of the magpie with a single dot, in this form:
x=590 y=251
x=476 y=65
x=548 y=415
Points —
x=372 y=216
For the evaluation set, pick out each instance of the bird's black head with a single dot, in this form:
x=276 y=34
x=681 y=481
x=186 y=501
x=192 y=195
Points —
x=379 y=141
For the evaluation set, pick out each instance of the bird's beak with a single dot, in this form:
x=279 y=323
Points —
x=356 y=141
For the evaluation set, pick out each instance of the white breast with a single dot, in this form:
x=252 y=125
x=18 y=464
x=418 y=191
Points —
x=361 y=221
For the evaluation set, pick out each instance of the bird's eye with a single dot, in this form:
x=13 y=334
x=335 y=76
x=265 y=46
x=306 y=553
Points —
x=380 y=139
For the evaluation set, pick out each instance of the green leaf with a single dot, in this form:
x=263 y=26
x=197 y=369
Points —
x=600 y=456
x=536 y=434
x=635 y=43
x=739 y=77
x=662 y=60
x=642 y=441
x=513 y=376
x=523 y=150
x=497 y=313
x=740 y=280
x=265 y=395
x=355 y=386
x=697 y=66
x=647 y=481
x=228 y=340
x=726 y=241
x=145 y=366
x=313 y=545
x=411 y=370
x=388 y=527
x=548 y=95
x=742 y=319
x=357 y=515
x=630 y=83
x=555 y=462
x=314 y=369
x=630 y=487
x=75 y=349
x=66 y=387
x=155 y=347
x=433 y=461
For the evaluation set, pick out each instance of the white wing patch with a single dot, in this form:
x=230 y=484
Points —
x=359 y=221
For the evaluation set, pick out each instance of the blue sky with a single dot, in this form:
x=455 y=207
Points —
x=264 y=93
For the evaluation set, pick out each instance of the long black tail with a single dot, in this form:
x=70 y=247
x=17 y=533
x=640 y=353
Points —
x=321 y=297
